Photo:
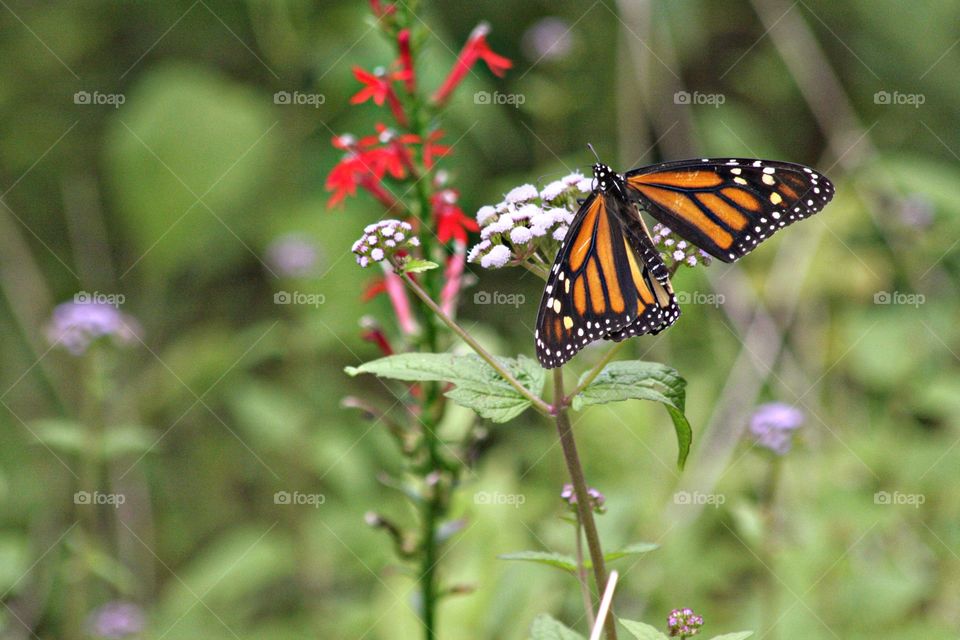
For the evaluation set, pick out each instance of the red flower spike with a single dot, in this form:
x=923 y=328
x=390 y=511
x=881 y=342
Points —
x=452 y=222
x=379 y=88
x=380 y=11
x=475 y=49
x=406 y=60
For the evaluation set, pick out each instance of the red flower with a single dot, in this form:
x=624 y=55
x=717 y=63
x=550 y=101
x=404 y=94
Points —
x=432 y=150
x=379 y=87
x=406 y=60
x=475 y=49
x=452 y=222
x=364 y=165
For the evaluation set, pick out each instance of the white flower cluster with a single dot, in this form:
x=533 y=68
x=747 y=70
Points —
x=383 y=239
x=678 y=250
x=526 y=220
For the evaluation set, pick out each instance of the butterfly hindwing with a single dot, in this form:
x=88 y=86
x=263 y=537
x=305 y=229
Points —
x=601 y=284
x=727 y=207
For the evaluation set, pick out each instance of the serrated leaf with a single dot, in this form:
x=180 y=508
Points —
x=736 y=635
x=642 y=631
x=639 y=380
x=547 y=628
x=478 y=385
x=417 y=266
x=558 y=560
x=635 y=549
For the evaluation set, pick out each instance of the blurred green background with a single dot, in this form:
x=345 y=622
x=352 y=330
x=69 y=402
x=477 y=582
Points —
x=174 y=197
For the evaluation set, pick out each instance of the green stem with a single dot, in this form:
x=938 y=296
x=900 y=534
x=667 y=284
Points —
x=767 y=550
x=537 y=403
x=584 y=509
x=582 y=577
x=594 y=372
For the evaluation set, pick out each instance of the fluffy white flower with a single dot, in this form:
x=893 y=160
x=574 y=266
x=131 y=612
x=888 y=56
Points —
x=572 y=179
x=496 y=258
x=521 y=194
x=477 y=249
x=553 y=190
x=520 y=235
x=377 y=254
x=485 y=213
x=678 y=255
x=560 y=233
x=504 y=224
x=538 y=231
x=526 y=212
x=692 y=261
x=585 y=185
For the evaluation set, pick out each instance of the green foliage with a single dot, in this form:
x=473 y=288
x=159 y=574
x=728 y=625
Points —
x=546 y=628
x=478 y=385
x=639 y=380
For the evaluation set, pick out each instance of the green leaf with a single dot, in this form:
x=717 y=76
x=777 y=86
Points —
x=65 y=436
x=546 y=628
x=416 y=266
x=642 y=631
x=558 y=560
x=736 y=635
x=127 y=439
x=639 y=380
x=635 y=549
x=478 y=385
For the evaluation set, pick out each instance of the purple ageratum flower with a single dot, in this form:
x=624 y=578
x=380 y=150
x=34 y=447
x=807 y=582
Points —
x=293 y=256
x=382 y=240
x=772 y=426
x=674 y=248
x=683 y=623
x=77 y=324
x=597 y=499
x=116 y=620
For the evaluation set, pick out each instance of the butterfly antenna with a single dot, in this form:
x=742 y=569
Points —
x=594 y=151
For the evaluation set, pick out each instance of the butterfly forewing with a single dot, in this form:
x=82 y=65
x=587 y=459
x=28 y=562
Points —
x=601 y=285
x=727 y=207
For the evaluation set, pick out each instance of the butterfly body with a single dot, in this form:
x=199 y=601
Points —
x=610 y=282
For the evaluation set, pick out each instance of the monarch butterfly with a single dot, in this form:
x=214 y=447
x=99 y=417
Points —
x=609 y=281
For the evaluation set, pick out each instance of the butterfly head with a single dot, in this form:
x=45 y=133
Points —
x=605 y=178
